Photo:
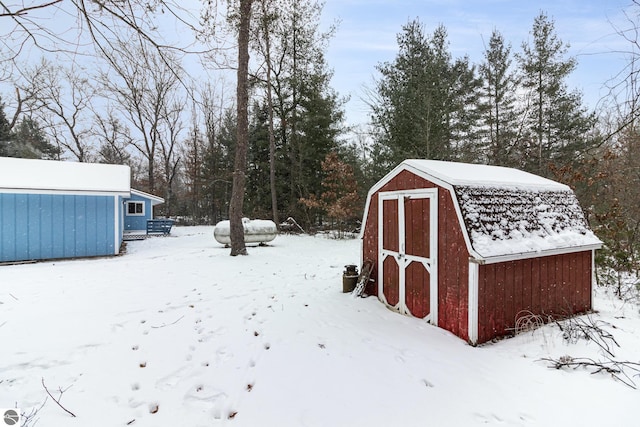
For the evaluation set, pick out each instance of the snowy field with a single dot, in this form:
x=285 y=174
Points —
x=178 y=333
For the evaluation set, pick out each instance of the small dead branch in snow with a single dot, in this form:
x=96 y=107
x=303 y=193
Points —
x=590 y=329
x=30 y=420
x=576 y=328
x=613 y=367
x=59 y=398
x=164 y=324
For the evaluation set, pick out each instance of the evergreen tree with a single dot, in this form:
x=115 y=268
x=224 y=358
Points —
x=317 y=133
x=498 y=103
x=464 y=112
x=557 y=122
x=29 y=142
x=258 y=194
x=307 y=113
x=424 y=104
x=5 y=132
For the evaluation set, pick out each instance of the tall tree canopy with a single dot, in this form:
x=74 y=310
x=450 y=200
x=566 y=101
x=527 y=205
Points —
x=306 y=112
x=500 y=114
x=557 y=123
x=423 y=103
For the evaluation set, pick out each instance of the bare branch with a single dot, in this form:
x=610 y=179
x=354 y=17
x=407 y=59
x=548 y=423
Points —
x=58 y=399
x=615 y=368
x=24 y=10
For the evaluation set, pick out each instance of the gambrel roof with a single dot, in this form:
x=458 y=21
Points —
x=507 y=213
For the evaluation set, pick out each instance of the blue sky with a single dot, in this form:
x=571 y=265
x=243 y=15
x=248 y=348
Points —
x=367 y=32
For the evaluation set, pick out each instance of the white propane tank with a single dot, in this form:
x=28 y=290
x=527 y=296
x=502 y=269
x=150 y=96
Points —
x=255 y=231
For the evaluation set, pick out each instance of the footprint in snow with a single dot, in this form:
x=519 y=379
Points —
x=488 y=418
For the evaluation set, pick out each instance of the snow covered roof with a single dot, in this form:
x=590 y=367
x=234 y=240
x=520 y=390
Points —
x=456 y=173
x=507 y=213
x=155 y=200
x=503 y=221
x=57 y=176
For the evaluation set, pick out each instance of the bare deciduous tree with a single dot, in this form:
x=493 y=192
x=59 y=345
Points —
x=28 y=23
x=61 y=99
x=143 y=87
x=170 y=148
x=114 y=139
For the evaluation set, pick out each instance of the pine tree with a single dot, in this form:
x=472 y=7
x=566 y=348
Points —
x=307 y=112
x=424 y=104
x=258 y=194
x=30 y=142
x=558 y=124
x=5 y=132
x=498 y=103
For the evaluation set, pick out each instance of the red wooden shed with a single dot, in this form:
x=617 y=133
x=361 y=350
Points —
x=469 y=247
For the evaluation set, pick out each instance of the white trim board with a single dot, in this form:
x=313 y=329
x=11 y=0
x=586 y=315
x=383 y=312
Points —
x=473 y=302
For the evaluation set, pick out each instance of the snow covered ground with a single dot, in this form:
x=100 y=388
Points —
x=178 y=333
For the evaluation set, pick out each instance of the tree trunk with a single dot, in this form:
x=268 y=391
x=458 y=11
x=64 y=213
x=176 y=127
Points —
x=240 y=164
x=272 y=140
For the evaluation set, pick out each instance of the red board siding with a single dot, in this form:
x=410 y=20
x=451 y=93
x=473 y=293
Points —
x=417 y=225
x=555 y=285
x=453 y=269
x=391 y=288
x=417 y=296
x=558 y=285
x=453 y=257
x=390 y=237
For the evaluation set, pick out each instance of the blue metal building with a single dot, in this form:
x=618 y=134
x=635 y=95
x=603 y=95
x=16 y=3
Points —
x=53 y=209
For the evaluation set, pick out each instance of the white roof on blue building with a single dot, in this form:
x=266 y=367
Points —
x=31 y=175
